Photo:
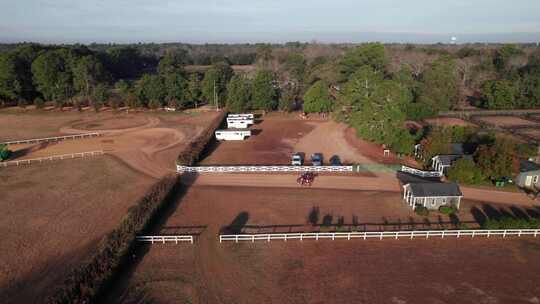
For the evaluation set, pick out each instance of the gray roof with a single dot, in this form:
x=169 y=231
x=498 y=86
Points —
x=435 y=189
x=448 y=159
x=526 y=166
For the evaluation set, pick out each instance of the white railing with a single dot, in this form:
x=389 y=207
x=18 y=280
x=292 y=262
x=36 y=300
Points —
x=420 y=172
x=378 y=235
x=50 y=158
x=165 y=238
x=55 y=138
x=215 y=169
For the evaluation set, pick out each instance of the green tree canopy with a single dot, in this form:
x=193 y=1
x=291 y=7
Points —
x=52 y=75
x=439 y=87
x=87 y=73
x=264 y=95
x=497 y=160
x=218 y=75
x=151 y=88
x=317 y=99
x=238 y=94
x=499 y=94
x=371 y=54
x=465 y=171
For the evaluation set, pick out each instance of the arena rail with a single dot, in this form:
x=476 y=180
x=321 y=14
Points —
x=377 y=235
x=55 y=138
x=420 y=172
x=50 y=158
x=165 y=238
x=220 y=169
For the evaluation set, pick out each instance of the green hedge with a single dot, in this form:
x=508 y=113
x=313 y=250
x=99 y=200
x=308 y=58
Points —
x=512 y=223
x=421 y=210
x=86 y=281
x=4 y=152
x=192 y=153
x=447 y=210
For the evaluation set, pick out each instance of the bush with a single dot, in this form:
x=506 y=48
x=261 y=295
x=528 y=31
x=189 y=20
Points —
x=191 y=154
x=421 y=210
x=465 y=171
x=508 y=222
x=88 y=280
x=4 y=152
x=463 y=226
x=447 y=210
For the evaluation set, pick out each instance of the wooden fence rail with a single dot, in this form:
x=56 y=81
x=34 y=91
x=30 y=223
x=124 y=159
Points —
x=50 y=158
x=55 y=138
x=165 y=238
x=378 y=235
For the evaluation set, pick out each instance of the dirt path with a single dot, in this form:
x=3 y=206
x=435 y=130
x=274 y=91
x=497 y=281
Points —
x=381 y=182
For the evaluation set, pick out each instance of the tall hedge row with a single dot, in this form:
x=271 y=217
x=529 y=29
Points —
x=193 y=152
x=85 y=282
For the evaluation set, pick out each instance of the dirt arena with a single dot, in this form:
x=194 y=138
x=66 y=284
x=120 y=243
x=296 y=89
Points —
x=388 y=271
x=276 y=137
x=506 y=121
x=55 y=213
x=533 y=132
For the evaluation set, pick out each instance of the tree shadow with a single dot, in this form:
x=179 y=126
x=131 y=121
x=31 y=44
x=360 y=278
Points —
x=519 y=213
x=238 y=224
x=478 y=215
x=313 y=216
x=327 y=220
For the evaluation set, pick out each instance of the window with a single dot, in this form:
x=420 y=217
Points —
x=444 y=201
x=433 y=202
x=535 y=179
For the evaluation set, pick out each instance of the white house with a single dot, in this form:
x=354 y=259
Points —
x=233 y=134
x=432 y=195
x=441 y=163
x=529 y=175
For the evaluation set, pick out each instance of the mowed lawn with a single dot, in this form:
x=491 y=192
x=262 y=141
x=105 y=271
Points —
x=53 y=216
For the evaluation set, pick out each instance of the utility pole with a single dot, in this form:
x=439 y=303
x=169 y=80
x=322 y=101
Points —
x=216 y=97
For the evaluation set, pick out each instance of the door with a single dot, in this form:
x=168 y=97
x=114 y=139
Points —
x=528 y=181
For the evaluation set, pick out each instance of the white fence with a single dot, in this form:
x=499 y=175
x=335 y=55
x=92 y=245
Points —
x=165 y=238
x=217 y=169
x=420 y=172
x=55 y=138
x=377 y=235
x=50 y=158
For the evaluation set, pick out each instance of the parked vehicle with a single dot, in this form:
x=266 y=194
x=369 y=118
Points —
x=232 y=134
x=297 y=159
x=335 y=161
x=237 y=124
x=317 y=159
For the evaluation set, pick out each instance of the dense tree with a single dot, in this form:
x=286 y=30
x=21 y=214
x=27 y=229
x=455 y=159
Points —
x=123 y=87
x=215 y=82
x=173 y=63
x=295 y=64
x=124 y=62
x=52 y=75
x=11 y=84
x=504 y=55
x=238 y=94
x=151 y=88
x=317 y=99
x=288 y=98
x=193 y=93
x=497 y=160
x=499 y=94
x=465 y=171
x=439 y=87
x=371 y=54
x=176 y=89
x=436 y=142
x=264 y=94
x=87 y=73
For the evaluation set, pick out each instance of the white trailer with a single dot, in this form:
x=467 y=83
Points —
x=237 y=124
x=249 y=115
x=246 y=119
x=233 y=134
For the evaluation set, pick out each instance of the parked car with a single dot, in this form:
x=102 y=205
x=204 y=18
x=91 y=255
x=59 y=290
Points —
x=335 y=161
x=297 y=159
x=317 y=159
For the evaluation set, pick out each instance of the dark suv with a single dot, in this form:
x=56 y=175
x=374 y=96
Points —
x=317 y=159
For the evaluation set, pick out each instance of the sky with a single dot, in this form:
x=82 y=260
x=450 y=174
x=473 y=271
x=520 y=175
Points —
x=234 y=21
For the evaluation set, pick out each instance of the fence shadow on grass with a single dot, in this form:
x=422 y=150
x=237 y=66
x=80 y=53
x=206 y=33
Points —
x=488 y=212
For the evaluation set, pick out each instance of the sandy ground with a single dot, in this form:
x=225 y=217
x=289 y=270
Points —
x=532 y=132
x=448 y=121
x=53 y=217
x=388 y=271
x=506 y=121
x=147 y=143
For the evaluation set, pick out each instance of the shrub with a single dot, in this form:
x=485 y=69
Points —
x=508 y=222
x=463 y=226
x=194 y=150
x=421 y=210
x=465 y=171
x=447 y=210
x=4 y=152
x=88 y=280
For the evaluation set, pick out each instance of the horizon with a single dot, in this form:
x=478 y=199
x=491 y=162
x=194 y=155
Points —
x=278 y=21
